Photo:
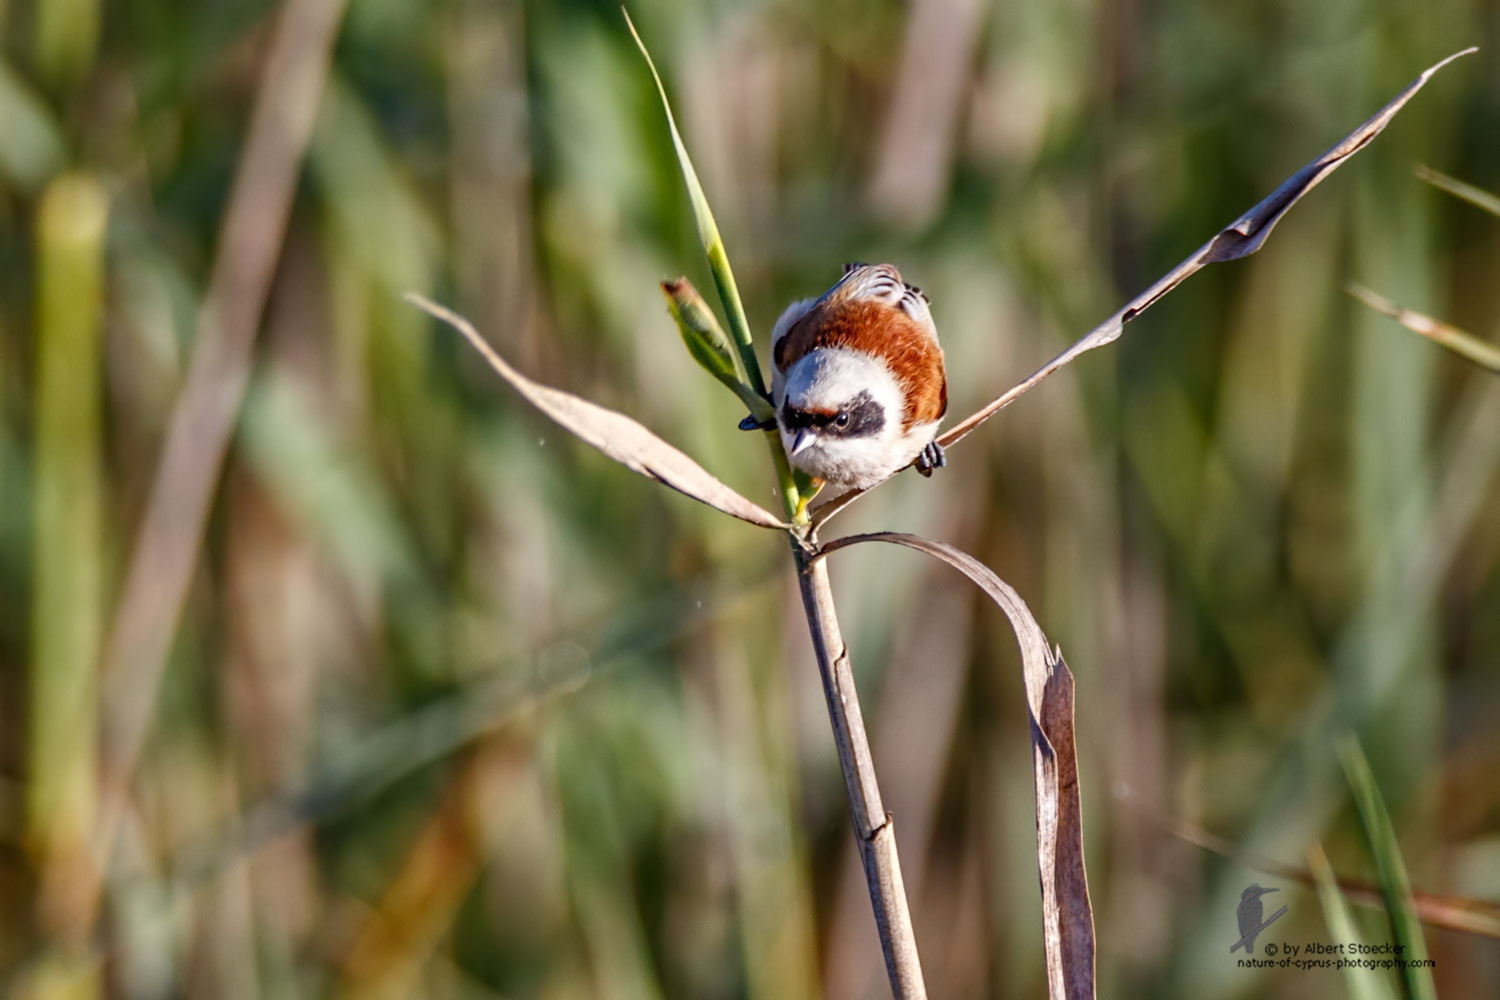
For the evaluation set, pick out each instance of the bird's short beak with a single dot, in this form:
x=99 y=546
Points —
x=802 y=440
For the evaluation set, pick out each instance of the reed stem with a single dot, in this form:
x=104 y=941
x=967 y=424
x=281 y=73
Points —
x=874 y=828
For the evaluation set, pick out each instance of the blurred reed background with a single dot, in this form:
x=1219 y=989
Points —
x=430 y=700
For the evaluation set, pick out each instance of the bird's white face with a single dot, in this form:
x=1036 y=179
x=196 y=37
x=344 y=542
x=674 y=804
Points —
x=840 y=415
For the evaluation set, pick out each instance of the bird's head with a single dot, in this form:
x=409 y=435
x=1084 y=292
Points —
x=1254 y=891
x=838 y=401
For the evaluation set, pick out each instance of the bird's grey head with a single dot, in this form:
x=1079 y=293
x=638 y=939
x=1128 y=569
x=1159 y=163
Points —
x=1253 y=891
x=838 y=395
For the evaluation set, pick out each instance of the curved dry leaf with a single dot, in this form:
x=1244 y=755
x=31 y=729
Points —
x=1240 y=238
x=615 y=434
x=1068 y=920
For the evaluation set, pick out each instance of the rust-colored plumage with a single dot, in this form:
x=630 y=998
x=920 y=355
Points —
x=909 y=347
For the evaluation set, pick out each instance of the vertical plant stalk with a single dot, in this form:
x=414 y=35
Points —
x=874 y=829
x=68 y=505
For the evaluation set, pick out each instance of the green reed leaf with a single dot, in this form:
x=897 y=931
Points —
x=708 y=232
x=1390 y=871
x=796 y=489
x=1362 y=983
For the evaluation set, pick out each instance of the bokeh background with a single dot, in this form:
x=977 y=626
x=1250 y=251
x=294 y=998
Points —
x=403 y=693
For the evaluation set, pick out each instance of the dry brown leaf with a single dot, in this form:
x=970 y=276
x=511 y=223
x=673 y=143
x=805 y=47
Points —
x=615 y=434
x=1068 y=920
x=1240 y=238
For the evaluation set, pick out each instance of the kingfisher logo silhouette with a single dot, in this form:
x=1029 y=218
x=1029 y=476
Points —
x=1249 y=916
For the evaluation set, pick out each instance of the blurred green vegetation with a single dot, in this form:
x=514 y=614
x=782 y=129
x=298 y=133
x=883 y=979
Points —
x=457 y=708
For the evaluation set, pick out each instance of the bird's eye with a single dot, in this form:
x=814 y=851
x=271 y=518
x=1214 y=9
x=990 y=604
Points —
x=842 y=420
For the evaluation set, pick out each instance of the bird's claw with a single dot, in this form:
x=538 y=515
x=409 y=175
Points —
x=754 y=423
x=931 y=457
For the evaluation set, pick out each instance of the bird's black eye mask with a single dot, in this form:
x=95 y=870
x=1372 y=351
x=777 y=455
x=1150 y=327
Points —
x=860 y=417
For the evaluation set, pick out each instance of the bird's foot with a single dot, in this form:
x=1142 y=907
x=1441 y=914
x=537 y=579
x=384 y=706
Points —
x=931 y=457
x=751 y=421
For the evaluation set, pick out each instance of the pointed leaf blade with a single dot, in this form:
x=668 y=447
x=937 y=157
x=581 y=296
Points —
x=1391 y=872
x=615 y=434
x=1240 y=238
x=708 y=233
x=1363 y=983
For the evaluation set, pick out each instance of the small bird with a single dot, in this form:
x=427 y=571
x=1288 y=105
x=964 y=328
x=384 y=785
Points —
x=1248 y=917
x=858 y=381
